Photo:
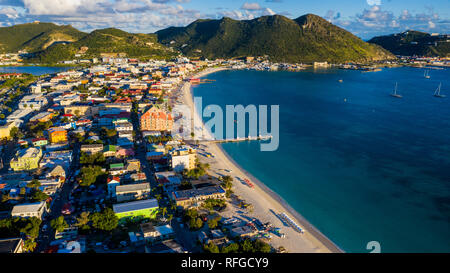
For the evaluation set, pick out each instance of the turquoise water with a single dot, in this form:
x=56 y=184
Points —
x=359 y=164
x=35 y=70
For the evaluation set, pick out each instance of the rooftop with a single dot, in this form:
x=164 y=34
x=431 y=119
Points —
x=136 y=205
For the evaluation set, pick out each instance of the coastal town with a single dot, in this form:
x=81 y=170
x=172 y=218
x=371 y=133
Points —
x=89 y=164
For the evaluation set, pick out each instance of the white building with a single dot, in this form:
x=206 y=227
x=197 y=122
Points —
x=29 y=210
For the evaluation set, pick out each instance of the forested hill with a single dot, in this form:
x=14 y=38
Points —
x=306 y=39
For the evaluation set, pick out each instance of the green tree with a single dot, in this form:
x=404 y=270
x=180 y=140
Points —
x=59 y=224
x=231 y=248
x=39 y=196
x=90 y=175
x=105 y=220
x=83 y=221
x=211 y=248
x=227 y=182
x=34 y=184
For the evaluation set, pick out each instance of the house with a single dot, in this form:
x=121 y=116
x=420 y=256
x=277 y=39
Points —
x=156 y=119
x=156 y=233
x=132 y=192
x=143 y=208
x=42 y=117
x=117 y=169
x=183 y=158
x=57 y=171
x=112 y=184
x=92 y=148
x=26 y=159
x=124 y=127
x=196 y=197
x=244 y=231
x=29 y=210
x=5 y=130
x=133 y=165
x=38 y=142
x=168 y=246
x=11 y=245
x=57 y=135
x=109 y=151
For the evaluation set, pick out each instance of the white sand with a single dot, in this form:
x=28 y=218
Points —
x=264 y=201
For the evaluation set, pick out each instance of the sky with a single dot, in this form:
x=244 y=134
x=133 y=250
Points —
x=364 y=18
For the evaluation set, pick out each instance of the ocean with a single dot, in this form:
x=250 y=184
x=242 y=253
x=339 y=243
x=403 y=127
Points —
x=358 y=164
x=35 y=70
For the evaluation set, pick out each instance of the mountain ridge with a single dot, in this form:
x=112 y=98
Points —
x=412 y=42
x=307 y=38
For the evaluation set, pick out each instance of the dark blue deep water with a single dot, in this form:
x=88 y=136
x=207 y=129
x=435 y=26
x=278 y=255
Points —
x=359 y=164
x=35 y=70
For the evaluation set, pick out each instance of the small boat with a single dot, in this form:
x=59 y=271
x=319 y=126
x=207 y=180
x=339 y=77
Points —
x=250 y=184
x=437 y=93
x=395 y=92
x=426 y=74
x=341 y=80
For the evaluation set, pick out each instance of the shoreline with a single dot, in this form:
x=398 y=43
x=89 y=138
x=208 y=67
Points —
x=262 y=197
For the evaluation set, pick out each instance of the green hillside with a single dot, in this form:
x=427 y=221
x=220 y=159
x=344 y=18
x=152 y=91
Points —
x=306 y=39
x=34 y=37
x=412 y=42
x=108 y=40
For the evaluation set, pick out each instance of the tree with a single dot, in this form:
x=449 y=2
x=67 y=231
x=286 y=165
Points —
x=231 y=248
x=29 y=245
x=83 y=221
x=39 y=196
x=211 y=248
x=90 y=175
x=59 y=224
x=227 y=182
x=105 y=220
x=213 y=223
x=34 y=184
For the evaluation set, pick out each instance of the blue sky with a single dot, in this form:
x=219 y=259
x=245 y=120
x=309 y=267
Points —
x=365 y=18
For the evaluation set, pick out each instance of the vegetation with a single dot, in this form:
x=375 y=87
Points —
x=91 y=175
x=59 y=224
x=18 y=227
x=105 y=220
x=192 y=218
x=214 y=204
x=308 y=38
x=92 y=159
x=83 y=221
x=410 y=43
x=242 y=246
x=34 y=37
x=214 y=222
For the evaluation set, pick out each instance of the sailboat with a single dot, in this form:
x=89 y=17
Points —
x=437 y=93
x=395 y=92
x=426 y=74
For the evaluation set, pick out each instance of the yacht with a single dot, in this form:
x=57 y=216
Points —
x=395 y=92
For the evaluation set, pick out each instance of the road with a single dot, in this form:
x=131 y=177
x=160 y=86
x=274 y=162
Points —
x=46 y=236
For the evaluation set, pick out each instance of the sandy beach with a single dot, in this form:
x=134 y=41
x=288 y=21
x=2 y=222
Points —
x=266 y=203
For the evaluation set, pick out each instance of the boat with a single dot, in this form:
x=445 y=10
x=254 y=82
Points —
x=341 y=80
x=248 y=183
x=437 y=93
x=395 y=92
x=426 y=74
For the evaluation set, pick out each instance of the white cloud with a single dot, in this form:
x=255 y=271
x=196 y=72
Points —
x=9 y=12
x=374 y=2
x=251 y=6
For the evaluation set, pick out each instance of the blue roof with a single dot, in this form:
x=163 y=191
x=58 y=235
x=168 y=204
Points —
x=136 y=205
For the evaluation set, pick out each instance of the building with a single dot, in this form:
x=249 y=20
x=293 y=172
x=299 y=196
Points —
x=196 y=197
x=11 y=245
x=92 y=148
x=109 y=151
x=29 y=210
x=26 y=159
x=5 y=130
x=155 y=119
x=183 y=158
x=41 y=141
x=244 y=231
x=57 y=135
x=143 y=208
x=132 y=192
x=156 y=233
